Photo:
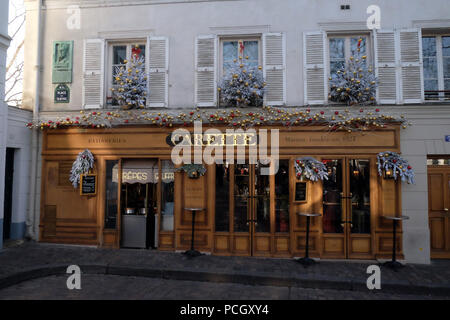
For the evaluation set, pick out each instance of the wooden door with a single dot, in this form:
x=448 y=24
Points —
x=347 y=211
x=438 y=210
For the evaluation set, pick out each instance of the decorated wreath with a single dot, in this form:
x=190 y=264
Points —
x=82 y=165
x=311 y=169
x=193 y=171
x=391 y=163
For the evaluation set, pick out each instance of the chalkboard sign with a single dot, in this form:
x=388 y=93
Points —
x=300 y=192
x=88 y=184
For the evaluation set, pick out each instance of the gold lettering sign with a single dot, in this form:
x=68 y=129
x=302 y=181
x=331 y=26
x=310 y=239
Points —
x=219 y=139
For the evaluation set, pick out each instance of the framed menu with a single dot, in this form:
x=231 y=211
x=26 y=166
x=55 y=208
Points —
x=300 y=192
x=88 y=185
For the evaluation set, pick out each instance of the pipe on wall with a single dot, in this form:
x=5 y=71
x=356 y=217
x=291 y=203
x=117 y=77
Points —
x=31 y=217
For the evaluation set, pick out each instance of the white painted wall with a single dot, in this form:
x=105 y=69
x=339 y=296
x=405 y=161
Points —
x=4 y=43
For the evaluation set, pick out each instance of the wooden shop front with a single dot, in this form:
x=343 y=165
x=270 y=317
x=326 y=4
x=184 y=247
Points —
x=246 y=213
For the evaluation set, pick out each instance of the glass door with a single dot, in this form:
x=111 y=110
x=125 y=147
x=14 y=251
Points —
x=346 y=220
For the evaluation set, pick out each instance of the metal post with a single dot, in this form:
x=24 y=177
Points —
x=307 y=238
x=193 y=225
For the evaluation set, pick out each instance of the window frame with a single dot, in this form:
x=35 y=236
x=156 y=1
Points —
x=347 y=51
x=109 y=63
x=222 y=39
x=439 y=65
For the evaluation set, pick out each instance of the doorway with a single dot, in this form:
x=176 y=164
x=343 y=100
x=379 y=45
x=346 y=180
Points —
x=252 y=209
x=7 y=206
x=346 y=222
x=438 y=207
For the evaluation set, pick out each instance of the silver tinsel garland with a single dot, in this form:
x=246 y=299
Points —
x=83 y=163
x=398 y=166
x=310 y=169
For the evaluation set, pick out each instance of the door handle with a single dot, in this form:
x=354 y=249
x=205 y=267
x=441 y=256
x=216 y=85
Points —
x=446 y=209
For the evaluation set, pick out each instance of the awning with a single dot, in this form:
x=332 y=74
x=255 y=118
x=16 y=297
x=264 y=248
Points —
x=137 y=171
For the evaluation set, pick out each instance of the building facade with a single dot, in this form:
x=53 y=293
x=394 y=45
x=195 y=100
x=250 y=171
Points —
x=187 y=46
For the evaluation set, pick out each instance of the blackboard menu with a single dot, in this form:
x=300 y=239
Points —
x=88 y=185
x=300 y=191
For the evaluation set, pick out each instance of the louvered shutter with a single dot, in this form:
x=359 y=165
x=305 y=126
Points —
x=314 y=74
x=93 y=73
x=206 y=68
x=274 y=67
x=411 y=66
x=385 y=66
x=157 y=64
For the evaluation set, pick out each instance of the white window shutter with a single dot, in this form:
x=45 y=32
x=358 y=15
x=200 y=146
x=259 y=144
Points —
x=206 y=71
x=315 y=77
x=411 y=66
x=274 y=68
x=93 y=73
x=157 y=64
x=386 y=69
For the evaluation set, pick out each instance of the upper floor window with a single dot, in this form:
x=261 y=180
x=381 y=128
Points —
x=436 y=67
x=341 y=48
x=232 y=49
x=119 y=54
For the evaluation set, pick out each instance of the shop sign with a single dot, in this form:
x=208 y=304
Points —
x=241 y=139
x=447 y=138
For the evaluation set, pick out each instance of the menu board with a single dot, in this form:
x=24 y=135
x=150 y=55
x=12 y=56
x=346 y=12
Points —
x=88 y=184
x=300 y=191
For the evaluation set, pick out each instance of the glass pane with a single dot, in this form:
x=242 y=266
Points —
x=222 y=197
x=337 y=48
x=251 y=50
x=430 y=68
x=446 y=67
x=360 y=190
x=167 y=192
x=335 y=66
x=262 y=193
x=241 y=193
x=431 y=85
x=446 y=46
x=282 y=197
x=230 y=52
x=119 y=54
x=429 y=46
x=111 y=198
x=354 y=45
x=332 y=189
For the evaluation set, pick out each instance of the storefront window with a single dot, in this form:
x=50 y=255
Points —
x=282 y=197
x=241 y=194
x=222 y=197
x=111 y=195
x=167 y=201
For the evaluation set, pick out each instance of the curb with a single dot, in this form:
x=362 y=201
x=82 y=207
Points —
x=240 y=278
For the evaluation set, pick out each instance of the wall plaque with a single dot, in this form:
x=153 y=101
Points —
x=88 y=184
x=62 y=94
x=62 y=62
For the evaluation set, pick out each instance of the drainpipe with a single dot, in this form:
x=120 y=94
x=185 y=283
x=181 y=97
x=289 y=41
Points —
x=31 y=218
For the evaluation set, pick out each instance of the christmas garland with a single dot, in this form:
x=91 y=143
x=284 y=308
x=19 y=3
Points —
x=193 y=171
x=311 y=169
x=392 y=162
x=83 y=163
x=337 y=120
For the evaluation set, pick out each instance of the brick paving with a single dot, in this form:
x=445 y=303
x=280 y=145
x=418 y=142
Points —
x=33 y=260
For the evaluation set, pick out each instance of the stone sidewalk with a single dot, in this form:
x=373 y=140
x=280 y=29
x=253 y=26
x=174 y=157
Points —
x=32 y=260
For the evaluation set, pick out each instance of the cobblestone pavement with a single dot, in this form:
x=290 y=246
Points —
x=109 y=287
x=347 y=275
